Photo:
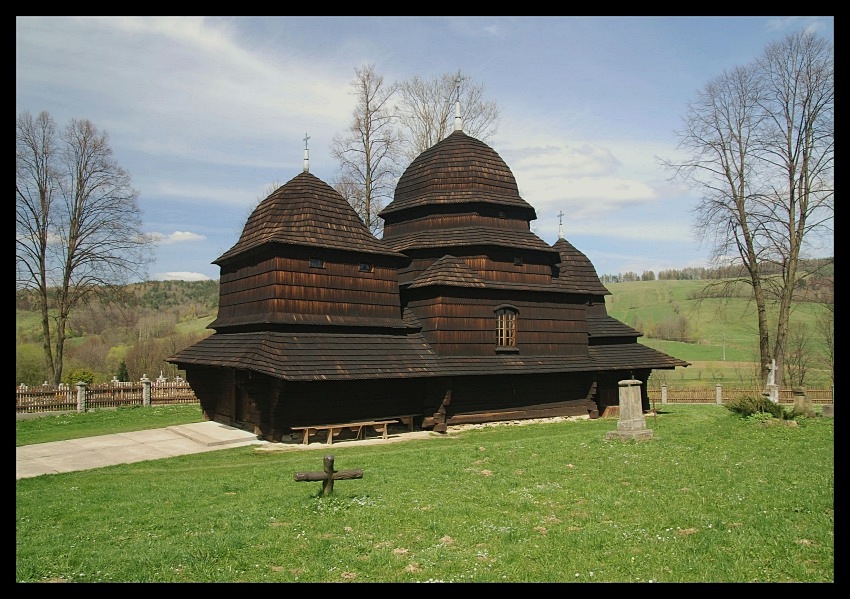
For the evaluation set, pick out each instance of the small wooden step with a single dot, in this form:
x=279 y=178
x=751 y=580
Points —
x=611 y=412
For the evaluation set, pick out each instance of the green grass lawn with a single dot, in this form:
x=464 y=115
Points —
x=711 y=497
x=64 y=426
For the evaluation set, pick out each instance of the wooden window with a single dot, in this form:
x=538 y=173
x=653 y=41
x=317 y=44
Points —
x=317 y=263
x=506 y=327
x=517 y=260
x=366 y=267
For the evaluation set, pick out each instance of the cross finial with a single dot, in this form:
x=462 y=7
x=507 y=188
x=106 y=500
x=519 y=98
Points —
x=458 y=122
x=561 y=225
x=306 y=154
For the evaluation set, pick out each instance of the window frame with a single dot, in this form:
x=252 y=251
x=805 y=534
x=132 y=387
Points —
x=506 y=327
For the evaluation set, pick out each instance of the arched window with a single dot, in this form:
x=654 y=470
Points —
x=506 y=326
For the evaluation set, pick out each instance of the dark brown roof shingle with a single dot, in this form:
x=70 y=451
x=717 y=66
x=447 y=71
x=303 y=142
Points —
x=458 y=169
x=306 y=211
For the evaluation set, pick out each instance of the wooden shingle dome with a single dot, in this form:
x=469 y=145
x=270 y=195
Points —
x=305 y=211
x=576 y=272
x=458 y=169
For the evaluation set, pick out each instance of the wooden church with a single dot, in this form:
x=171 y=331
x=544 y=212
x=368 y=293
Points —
x=458 y=314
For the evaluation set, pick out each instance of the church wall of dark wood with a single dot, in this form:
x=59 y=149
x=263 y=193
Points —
x=467 y=326
x=287 y=285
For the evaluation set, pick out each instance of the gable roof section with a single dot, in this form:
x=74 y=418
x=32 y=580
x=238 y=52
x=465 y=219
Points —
x=306 y=211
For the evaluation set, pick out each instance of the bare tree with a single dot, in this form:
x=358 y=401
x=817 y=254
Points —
x=760 y=144
x=427 y=110
x=797 y=148
x=798 y=355
x=78 y=224
x=368 y=154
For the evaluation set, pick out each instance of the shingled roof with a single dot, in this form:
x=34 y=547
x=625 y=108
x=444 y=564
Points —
x=608 y=326
x=627 y=356
x=345 y=356
x=306 y=211
x=312 y=356
x=458 y=169
x=448 y=270
x=468 y=236
x=577 y=273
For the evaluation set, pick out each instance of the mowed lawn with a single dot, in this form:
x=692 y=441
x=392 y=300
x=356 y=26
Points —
x=712 y=497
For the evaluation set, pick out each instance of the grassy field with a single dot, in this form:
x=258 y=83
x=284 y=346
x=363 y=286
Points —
x=711 y=498
x=723 y=343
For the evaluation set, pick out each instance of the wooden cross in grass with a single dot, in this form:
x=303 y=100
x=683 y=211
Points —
x=329 y=475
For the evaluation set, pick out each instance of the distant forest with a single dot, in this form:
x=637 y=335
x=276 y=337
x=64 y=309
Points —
x=821 y=268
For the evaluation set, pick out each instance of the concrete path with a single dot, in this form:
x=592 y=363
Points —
x=125 y=448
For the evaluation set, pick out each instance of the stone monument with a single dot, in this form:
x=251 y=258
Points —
x=631 y=423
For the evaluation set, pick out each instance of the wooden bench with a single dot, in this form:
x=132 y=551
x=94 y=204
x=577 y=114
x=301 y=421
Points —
x=358 y=428
x=406 y=419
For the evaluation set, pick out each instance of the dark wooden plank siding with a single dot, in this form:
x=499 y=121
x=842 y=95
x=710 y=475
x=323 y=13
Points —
x=467 y=326
x=325 y=402
x=215 y=390
x=448 y=221
x=289 y=285
x=526 y=396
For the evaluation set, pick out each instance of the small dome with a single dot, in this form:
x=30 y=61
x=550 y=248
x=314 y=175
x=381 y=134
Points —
x=306 y=211
x=458 y=169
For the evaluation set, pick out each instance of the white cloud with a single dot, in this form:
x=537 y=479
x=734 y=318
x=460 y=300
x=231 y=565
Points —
x=176 y=237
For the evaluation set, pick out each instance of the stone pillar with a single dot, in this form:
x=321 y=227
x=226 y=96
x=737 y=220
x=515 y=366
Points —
x=802 y=404
x=81 y=396
x=718 y=394
x=663 y=395
x=146 y=390
x=631 y=423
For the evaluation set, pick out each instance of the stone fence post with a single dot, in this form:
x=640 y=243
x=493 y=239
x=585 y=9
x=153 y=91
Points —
x=802 y=404
x=718 y=394
x=81 y=396
x=146 y=390
x=663 y=395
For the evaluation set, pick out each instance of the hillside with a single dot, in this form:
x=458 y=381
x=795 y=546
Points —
x=718 y=335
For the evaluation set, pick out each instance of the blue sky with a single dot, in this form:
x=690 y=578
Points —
x=206 y=113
